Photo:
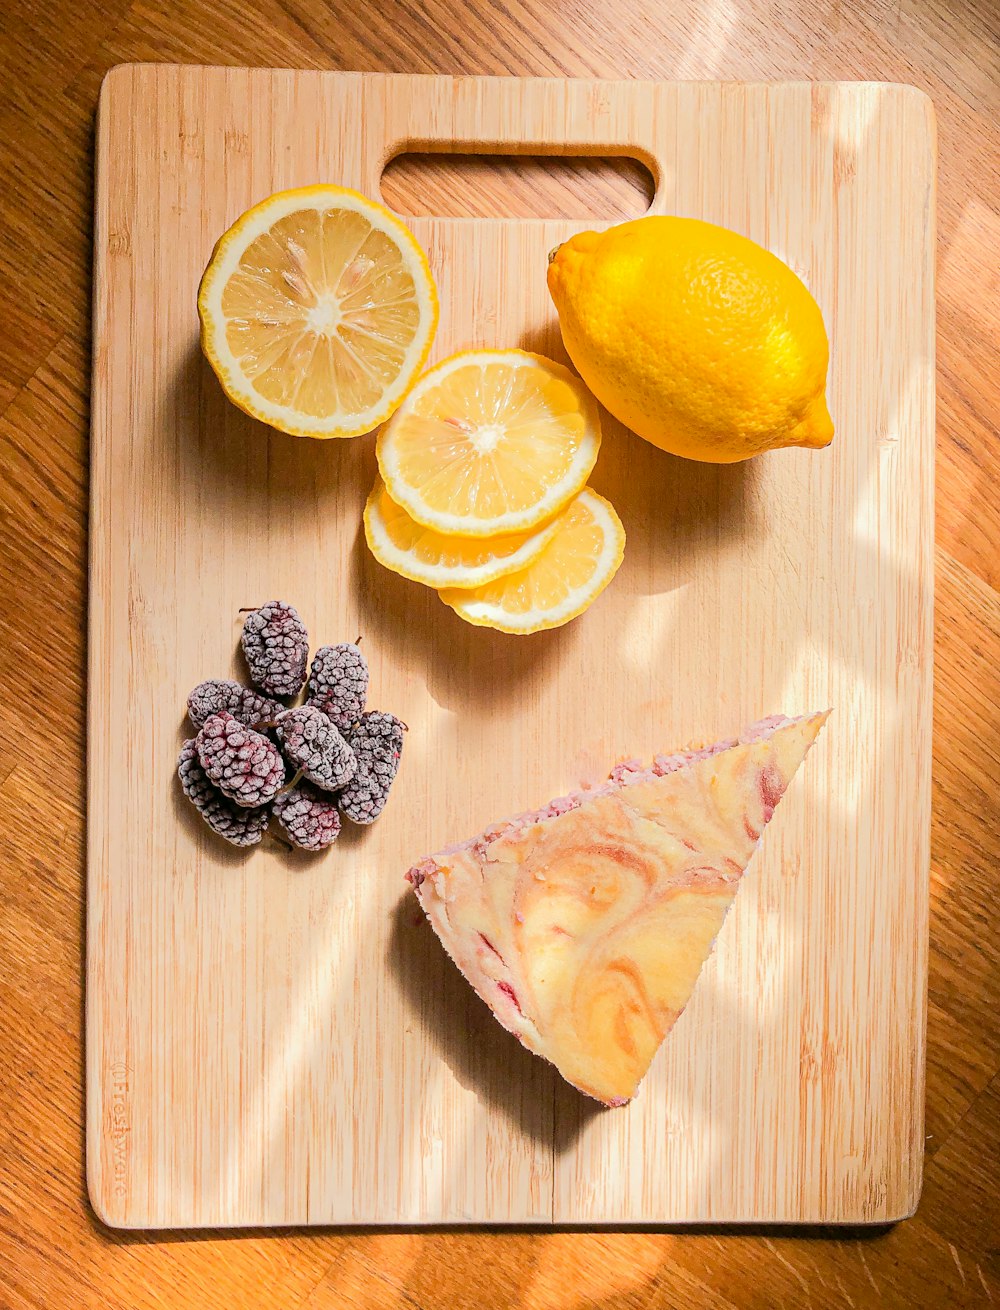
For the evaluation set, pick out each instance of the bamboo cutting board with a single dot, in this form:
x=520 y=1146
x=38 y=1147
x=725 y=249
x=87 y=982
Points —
x=274 y=1039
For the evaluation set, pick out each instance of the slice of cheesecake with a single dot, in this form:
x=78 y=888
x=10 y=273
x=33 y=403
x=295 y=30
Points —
x=584 y=925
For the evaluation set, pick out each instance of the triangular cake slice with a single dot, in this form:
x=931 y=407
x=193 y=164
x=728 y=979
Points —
x=584 y=925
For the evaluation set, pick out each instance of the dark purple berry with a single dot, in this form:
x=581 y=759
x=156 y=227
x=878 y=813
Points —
x=240 y=762
x=313 y=745
x=238 y=824
x=276 y=646
x=308 y=816
x=243 y=703
x=338 y=683
x=377 y=743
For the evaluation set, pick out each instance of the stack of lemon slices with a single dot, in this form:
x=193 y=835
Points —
x=318 y=310
x=483 y=494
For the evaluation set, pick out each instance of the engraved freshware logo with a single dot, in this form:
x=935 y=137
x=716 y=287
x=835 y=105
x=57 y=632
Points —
x=120 y=1126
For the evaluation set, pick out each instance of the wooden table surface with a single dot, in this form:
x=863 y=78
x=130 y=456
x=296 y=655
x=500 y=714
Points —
x=53 y=1252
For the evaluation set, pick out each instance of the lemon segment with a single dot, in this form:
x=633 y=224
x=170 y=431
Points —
x=318 y=310
x=490 y=442
x=565 y=579
x=423 y=555
x=695 y=337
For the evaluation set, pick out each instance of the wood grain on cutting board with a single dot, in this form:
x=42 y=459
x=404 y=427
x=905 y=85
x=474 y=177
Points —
x=277 y=1040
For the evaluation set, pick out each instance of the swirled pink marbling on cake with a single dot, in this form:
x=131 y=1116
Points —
x=584 y=925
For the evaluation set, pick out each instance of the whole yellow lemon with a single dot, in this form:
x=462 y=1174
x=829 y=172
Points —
x=695 y=337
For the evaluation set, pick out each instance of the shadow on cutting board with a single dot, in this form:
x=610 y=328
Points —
x=484 y=1058
x=465 y=667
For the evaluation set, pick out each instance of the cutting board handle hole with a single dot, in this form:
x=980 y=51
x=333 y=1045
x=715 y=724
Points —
x=464 y=184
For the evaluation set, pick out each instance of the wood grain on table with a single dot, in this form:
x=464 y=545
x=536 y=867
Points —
x=52 y=1251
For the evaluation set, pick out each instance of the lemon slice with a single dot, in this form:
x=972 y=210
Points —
x=317 y=312
x=566 y=578
x=423 y=555
x=490 y=441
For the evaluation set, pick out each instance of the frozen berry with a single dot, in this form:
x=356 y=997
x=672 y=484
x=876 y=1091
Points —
x=242 y=763
x=238 y=824
x=338 y=683
x=276 y=646
x=243 y=703
x=308 y=816
x=313 y=745
x=377 y=743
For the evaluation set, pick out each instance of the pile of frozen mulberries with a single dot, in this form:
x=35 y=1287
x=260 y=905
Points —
x=255 y=758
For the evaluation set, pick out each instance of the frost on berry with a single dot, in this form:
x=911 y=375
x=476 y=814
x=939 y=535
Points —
x=308 y=816
x=240 y=762
x=338 y=683
x=238 y=824
x=312 y=744
x=377 y=743
x=243 y=703
x=276 y=646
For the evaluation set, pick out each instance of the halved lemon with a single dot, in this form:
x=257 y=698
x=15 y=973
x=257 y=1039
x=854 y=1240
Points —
x=565 y=579
x=423 y=555
x=490 y=441
x=318 y=310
